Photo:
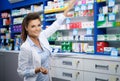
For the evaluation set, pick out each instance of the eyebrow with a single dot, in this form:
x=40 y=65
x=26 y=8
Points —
x=33 y=26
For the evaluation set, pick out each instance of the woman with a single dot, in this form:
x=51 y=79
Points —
x=35 y=50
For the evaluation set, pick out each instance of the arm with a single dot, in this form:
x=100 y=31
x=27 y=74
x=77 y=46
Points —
x=56 y=25
x=69 y=7
x=24 y=67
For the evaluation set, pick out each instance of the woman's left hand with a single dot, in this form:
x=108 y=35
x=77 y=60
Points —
x=43 y=70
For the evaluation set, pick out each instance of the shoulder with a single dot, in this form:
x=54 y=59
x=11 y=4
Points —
x=25 y=51
x=42 y=34
x=25 y=46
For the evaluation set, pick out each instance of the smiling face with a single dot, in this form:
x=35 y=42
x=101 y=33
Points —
x=34 y=28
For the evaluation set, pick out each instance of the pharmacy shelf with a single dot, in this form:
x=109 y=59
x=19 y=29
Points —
x=54 y=10
x=15 y=11
x=96 y=30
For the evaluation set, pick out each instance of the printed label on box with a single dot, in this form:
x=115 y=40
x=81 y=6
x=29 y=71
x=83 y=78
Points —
x=111 y=17
x=101 y=17
x=111 y=3
x=90 y=6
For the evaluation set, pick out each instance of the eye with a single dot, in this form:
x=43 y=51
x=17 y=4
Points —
x=39 y=25
x=33 y=26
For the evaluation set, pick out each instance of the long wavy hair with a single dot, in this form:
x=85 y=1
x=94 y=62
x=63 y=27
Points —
x=25 y=23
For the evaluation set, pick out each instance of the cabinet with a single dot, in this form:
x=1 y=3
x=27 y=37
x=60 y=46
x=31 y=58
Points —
x=77 y=31
x=8 y=66
x=102 y=66
x=87 y=67
x=1 y=67
x=5 y=21
x=84 y=33
x=108 y=27
x=92 y=27
x=19 y=13
x=66 y=74
x=99 y=77
x=70 y=63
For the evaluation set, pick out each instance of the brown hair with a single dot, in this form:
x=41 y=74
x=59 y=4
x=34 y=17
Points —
x=25 y=22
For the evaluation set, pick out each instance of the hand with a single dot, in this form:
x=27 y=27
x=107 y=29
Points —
x=70 y=6
x=41 y=69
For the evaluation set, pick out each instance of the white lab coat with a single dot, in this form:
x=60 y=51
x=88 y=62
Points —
x=28 y=58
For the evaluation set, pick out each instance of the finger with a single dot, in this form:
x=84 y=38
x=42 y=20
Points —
x=45 y=71
x=41 y=69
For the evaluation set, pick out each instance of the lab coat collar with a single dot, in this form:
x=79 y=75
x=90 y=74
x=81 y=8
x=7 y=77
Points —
x=30 y=41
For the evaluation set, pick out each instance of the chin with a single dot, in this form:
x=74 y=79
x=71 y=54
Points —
x=36 y=35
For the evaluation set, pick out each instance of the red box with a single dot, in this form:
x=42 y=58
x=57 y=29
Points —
x=71 y=26
x=75 y=25
x=78 y=25
x=101 y=45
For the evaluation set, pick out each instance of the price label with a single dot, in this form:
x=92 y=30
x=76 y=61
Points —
x=83 y=7
x=101 y=17
x=114 y=52
x=90 y=6
x=105 y=10
x=111 y=3
x=77 y=8
x=83 y=1
x=75 y=32
x=7 y=40
x=79 y=2
x=2 y=41
x=116 y=9
x=89 y=1
x=111 y=17
x=67 y=20
x=89 y=31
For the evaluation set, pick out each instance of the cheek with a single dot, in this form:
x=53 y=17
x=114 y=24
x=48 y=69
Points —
x=30 y=31
x=40 y=29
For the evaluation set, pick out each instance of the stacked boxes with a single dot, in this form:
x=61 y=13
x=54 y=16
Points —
x=101 y=45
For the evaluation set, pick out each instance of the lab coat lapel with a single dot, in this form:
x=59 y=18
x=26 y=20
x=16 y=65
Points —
x=36 y=58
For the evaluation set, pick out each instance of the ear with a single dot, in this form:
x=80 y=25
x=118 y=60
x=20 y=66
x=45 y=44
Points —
x=26 y=28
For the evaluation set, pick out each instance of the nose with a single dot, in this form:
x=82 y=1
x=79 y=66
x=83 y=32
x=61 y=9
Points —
x=38 y=28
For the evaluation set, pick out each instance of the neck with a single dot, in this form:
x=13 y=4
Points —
x=33 y=38
x=36 y=41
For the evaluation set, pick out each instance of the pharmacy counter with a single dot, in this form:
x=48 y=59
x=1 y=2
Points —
x=67 y=67
x=8 y=66
x=84 y=67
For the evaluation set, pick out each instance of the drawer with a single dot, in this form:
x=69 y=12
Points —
x=72 y=63
x=100 y=77
x=66 y=74
x=101 y=66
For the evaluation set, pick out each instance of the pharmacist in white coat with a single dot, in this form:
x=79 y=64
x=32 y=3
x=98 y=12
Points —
x=33 y=60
